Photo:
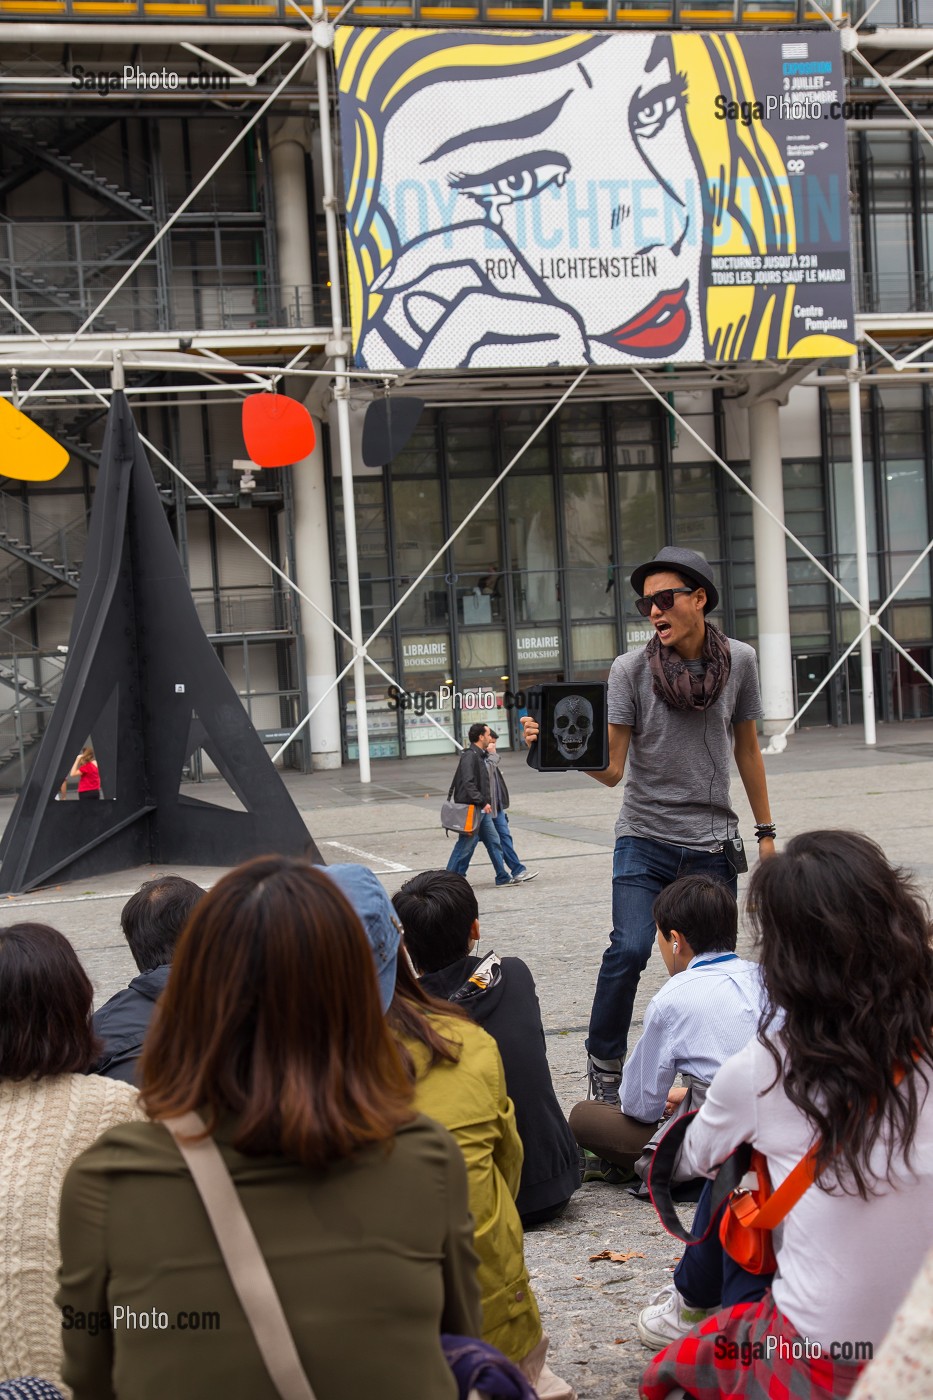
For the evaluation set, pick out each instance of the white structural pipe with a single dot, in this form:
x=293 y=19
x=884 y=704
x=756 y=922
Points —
x=342 y=398
x=774 y=650
x=919 y=39
x=861 y=550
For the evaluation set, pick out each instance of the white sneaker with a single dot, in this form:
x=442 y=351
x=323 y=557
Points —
x=525 y=876
x=667 y=1318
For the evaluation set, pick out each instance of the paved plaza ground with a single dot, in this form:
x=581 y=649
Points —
x=563 y=828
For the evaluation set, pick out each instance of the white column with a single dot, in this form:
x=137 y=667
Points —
x=288 y=142
x=774 y=654
x=861 y=551
x=312 y=555
x=312 y=560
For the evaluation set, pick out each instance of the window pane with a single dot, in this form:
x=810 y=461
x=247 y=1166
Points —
x=641 y=525
x=889 y=156
x=594 y=650
x=518 y=425
x=372 y=547
x=469 y=442
x=586 y=529
x=696 y=516
x=533 y=542
x=580 y=435
x=636 y=434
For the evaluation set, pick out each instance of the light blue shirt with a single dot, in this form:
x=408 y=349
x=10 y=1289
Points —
x=697 y=1021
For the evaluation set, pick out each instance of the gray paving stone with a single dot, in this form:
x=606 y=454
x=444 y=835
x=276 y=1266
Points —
x=558 y=923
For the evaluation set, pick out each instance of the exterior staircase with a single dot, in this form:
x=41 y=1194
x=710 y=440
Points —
x=96 y=180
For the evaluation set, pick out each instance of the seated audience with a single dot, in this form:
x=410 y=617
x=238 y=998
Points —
x=459 y=1080
x=440 y=916
x=271 y=1028
x=846 y=953
x=707 y=1011
x=49 y=1113
x=152 y=921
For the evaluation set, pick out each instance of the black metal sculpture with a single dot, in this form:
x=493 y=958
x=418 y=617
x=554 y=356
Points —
x=145 y=683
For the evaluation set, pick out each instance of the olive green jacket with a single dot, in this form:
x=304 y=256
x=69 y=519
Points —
x=470 y=1099
x=372 y=1259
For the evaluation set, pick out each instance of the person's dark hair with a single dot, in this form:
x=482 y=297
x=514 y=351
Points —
x=703 y=909
x=846 y=952
x=437 y=910
x=409 y=1017
x=272 y=1015
x=476 y=731
x=152 y=920
x=45 y=1005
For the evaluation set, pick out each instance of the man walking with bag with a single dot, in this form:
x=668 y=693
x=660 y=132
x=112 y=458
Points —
x=499 y=801
x=679 y=709
x=473 y=784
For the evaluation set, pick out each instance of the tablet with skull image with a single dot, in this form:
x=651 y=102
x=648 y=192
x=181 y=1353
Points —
x=572 y=727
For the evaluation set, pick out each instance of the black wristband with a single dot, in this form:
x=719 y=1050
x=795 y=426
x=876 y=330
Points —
x=766 y=831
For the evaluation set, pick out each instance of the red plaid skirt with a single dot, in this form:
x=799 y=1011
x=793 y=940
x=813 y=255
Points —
x=750 y=1351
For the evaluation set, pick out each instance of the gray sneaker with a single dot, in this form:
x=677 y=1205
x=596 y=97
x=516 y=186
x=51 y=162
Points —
x=524 y=877
x=604 y=1084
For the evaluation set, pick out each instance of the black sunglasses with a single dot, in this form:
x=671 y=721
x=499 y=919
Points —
x=663 y=600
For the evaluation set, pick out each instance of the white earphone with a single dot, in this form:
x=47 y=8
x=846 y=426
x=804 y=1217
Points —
x=675 y=948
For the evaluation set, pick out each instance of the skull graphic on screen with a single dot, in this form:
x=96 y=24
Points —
x=573 y=726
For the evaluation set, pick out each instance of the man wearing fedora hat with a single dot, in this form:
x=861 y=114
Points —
x=679 y=709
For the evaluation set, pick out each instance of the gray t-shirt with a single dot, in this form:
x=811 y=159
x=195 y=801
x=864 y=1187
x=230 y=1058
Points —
x=675 y=755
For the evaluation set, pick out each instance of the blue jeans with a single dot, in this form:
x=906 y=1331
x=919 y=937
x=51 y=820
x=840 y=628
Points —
x=507 y=851
x=707 y=1277
x=641 y=869
x=462 y=853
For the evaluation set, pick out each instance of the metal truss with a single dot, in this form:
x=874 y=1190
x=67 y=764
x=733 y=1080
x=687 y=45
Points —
x=117 y=357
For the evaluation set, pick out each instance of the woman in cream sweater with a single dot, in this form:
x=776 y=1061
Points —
x=50 y=1111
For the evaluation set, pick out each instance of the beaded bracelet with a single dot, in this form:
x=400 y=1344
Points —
x=766 y=831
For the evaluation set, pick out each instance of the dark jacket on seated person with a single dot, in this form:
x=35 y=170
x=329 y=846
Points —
x=152 y=921
x=509 y=1011
x=122 y=1023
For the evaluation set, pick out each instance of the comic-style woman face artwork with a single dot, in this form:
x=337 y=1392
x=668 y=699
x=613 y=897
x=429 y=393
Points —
x=515 y=241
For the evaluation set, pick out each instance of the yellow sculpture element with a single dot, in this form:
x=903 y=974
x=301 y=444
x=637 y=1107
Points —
x=27 y=453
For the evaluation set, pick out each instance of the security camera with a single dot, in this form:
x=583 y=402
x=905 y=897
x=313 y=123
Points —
x=247 y=470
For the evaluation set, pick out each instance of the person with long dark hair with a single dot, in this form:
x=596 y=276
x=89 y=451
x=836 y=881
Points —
x=50 y=1112
x=846 y=954
x=271 y=1029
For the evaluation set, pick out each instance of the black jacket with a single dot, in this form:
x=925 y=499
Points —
x=509 y=1011
x=471 y=780
x=122 y=1023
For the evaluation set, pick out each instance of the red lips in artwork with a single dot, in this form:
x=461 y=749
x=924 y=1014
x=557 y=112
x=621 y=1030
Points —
x=277 y=430
x=662 y=326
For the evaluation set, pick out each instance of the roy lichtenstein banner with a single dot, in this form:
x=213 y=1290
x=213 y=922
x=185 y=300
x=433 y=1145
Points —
x=525 y=199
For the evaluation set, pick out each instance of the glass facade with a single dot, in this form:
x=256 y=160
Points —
x=534 y=587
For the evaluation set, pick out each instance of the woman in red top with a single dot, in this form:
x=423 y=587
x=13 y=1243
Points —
x=88 y=774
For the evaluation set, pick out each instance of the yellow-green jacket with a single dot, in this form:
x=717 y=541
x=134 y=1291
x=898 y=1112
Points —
x=470 y=1100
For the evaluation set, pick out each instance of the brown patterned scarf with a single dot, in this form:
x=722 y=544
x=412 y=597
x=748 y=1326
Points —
x=676 y=686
